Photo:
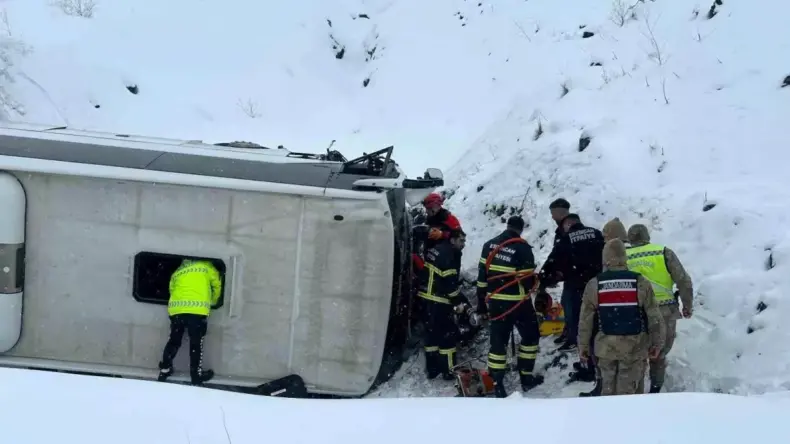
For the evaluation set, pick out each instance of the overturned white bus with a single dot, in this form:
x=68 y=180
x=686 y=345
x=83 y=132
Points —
x=313 y=249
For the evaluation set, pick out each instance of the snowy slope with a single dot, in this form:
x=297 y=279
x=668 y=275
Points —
x=69 y=409
x=682 y=112
x=692 y=145
x=261 y=71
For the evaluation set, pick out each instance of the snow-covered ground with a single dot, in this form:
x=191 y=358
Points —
x=682 y=105
x=92 y=410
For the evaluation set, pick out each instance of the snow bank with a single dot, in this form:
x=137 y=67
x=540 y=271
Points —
x=689 y=142
x=44 y=407
x=368 y=74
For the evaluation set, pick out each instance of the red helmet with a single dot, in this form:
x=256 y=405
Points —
x=433 y=199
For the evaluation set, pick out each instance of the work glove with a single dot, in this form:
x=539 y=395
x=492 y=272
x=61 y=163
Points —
x=435 y=234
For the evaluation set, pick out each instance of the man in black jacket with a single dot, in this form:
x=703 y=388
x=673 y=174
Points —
x=580 y=253
x=441 y=294
x=510 y=257
x=551 y=272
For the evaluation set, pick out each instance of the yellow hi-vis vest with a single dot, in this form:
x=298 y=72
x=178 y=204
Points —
x=194 y=287
x=648 y=260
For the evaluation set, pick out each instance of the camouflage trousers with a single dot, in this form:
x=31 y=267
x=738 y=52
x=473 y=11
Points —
x=620 y=377
x=658 y=366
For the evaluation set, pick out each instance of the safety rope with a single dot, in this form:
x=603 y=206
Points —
x=517 y=276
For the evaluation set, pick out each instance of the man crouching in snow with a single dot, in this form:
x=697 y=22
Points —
x=623 y=302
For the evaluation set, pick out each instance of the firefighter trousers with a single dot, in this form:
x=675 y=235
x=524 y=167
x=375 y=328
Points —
x=196 y=327
x=525 y=321
x=440 y=337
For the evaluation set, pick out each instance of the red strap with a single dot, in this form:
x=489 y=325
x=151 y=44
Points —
x=516 y=276
x=417 y=261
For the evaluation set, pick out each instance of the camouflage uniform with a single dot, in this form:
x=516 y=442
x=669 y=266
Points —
x=623 y=340
x=614 y=229
x=638 y=236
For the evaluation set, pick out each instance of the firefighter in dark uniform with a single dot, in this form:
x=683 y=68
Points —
x=510 y=306
x=441 y=294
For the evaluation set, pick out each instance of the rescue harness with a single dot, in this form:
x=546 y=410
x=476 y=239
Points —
x=517 y=276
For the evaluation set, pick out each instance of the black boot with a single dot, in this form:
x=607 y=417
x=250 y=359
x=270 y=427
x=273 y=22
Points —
x=202 y=376
x=655 y=388
x=561 y=339
x=499 y=384
x=567 y=346
x=529 y=382
x=582 y=375
x=431 y=365
x=165 y=371
x=596 y=391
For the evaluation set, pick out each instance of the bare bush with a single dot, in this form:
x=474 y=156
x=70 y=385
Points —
x=249 y=107
x=9 y=48
x=77 y=8
x=622 y=12
x=655 y=52
x=619 y=13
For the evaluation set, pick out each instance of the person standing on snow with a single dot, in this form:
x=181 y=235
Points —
x=579 y=252
x=510 y=307
x=614 y=229
x=551 y=272
x=662 y=268
x=631 y=328
x=194 y=287
x=441 y=294
x=441 y=223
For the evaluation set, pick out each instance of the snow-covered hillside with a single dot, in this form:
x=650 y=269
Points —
x=300 y=74
x=675 y=120
x=663 y=112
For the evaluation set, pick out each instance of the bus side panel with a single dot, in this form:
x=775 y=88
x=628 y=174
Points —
x=346 y=289
x=83 y=235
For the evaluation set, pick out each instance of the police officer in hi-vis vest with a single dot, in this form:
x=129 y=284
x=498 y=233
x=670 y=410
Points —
x=661 y=266
x=194 y=288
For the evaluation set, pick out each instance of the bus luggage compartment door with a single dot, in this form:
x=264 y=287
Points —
x=12 y=259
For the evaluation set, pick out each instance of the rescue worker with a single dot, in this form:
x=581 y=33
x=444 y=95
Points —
x=551 y=272
x=662 y=268
x=614 y=229
x=630 y=323
x=194 y=288
x=511 y=306
x=441 y=293
x=441 y=222
x=579 y=252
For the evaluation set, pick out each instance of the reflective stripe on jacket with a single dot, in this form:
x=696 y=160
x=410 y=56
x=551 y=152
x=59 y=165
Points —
x=648 y=260
x=619 y=313
x=439 y=278
x=194 y=287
